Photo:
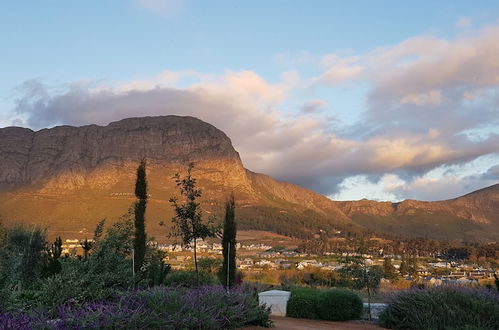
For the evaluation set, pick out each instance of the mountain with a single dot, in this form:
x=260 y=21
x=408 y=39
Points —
x=68 y=178
x=472 y=217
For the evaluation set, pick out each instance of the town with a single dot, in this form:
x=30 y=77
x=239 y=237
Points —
x=258 y=258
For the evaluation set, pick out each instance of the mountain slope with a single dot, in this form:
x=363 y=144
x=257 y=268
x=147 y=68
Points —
x=474 y=216
x=69 y=178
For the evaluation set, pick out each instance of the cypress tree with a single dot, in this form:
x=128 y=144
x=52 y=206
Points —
x=229 y=244
x=139 y=242
x=388 y=269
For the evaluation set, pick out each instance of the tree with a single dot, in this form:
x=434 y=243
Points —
x=86 y=245
x=54 y=265
x=139 y=242
x=23 y=258
x=229 y=244
x=187 y=221
x=364 y=276
x=388 y=270
x=404 y=267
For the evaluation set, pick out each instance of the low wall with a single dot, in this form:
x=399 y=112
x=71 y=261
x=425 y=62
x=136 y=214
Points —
x=376 y=310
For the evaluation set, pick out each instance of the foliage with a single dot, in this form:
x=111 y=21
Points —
x=3 y=235
x=53 y=265
x=389 y=271
x=339 y=305
x=154 y=269
x=23 y=258
x=107 y=269
x=444 y=307
x=364 y=277
x=188 y=279
x=210 y=265
x=158 y=308
x=228 y=273
x=187 y=222
x=408 y=266
x=303 y=303
x=86 y=245
x=139 y=242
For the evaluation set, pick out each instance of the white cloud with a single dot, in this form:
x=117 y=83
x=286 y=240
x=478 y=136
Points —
x=426 y=93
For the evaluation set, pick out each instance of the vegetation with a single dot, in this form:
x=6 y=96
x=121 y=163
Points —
x=445 y=307
x=188 y=279
x=389 y=271
x=23 y=258
x=303 y=303
x=339 y=305
x=333 y=305
x=40 y=288
x=139 y=242
x=53 y=264
x=229 y=245
x=157 y=308
x=187 y=222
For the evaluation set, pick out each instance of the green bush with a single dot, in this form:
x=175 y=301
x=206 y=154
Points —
x=22 y=257
x=98 y=276
x=446 y=307
x=303 y=303
x=188 y=279
x=84 y=281
x=339 y=305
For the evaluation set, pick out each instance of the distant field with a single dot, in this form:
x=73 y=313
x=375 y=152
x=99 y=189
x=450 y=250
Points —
x=266 y=237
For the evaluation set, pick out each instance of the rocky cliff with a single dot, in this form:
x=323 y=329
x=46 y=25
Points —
x=474 y=216
x=68 y=178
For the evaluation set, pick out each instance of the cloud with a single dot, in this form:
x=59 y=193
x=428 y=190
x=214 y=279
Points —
x=492 y=173
x=431 y=97
x=313 y=106
x=426 y=101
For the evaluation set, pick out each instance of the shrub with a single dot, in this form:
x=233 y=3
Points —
x=303 y=303
x=339 y=305
x=445 y=307
x=86 y=281
x=157 y=308
x=188 y=279
x=97 y=277
x=23 y=257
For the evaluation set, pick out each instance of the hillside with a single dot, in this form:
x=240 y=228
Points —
x=68 y=178
x=474 y=216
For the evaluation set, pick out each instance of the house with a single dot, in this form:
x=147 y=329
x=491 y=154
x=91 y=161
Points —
x=308 y=263
x=478 y=274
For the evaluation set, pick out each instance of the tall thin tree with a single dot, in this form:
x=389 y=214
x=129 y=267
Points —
x=229 y=244
x=139 y=242
x=187 y=221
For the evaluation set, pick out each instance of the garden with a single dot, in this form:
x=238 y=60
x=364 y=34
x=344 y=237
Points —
x=121 y=280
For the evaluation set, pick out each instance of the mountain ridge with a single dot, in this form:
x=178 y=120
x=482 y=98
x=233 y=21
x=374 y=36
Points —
x=69 y=177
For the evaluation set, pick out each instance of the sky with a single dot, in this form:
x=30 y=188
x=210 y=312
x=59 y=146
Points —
x=385 y=100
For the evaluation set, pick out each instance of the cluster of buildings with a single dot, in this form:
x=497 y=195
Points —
x=215 y=248
x=260 y=256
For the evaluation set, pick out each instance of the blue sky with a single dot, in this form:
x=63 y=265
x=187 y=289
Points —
x=354 y=99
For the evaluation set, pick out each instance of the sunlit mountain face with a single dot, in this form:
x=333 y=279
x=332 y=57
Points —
x=68 y=178
x=380 y=101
